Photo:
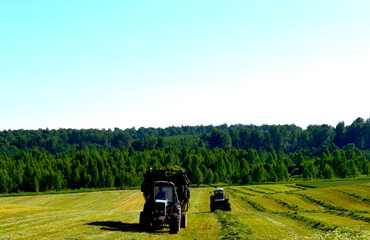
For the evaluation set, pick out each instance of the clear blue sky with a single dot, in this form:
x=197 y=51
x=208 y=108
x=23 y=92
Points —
x=106 y=64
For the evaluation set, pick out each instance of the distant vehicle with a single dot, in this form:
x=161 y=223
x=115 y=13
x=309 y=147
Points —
x=166 y=194
x=219 y=198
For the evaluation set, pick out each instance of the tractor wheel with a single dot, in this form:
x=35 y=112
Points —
x=184 y=221
x=145 y=224
x=175 y=224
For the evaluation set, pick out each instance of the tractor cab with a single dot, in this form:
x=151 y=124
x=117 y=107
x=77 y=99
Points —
x=163 y=197
x=164 y=192
x=218 y=194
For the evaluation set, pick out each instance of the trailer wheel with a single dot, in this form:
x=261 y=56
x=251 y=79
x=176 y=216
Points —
x=184 y=221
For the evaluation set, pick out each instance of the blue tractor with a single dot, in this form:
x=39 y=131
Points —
x=166 y=194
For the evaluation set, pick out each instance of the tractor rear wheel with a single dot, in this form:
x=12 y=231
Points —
x=175 y=224
x=213 y=208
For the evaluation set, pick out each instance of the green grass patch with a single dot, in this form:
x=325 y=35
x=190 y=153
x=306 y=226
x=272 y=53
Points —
x=333 y=182
x=65 y=191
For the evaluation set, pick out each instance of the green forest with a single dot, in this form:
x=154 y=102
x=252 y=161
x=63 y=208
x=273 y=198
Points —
x=42 y=160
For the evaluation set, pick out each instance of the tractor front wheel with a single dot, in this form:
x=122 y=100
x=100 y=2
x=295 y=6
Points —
x=144 y=221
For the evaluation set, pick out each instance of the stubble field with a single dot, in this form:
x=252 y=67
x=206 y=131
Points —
x=279 y=211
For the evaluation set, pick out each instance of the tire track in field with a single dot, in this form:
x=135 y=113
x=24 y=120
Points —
x=199 y=200
x=202 y=224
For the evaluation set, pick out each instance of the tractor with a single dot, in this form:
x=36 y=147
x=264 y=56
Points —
x=166 y=193
x=219 y=198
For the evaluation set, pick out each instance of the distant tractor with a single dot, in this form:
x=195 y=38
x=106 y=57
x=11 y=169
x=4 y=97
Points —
x=166 y=194
x=219 y=198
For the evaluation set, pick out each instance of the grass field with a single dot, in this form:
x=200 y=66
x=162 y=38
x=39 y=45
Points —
x=335 y=210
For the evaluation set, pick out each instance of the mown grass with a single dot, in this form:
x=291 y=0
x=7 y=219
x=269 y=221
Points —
x=232 y=227
x=297 y=202
x=269 y=211
x=323 y=210
x=334 y=200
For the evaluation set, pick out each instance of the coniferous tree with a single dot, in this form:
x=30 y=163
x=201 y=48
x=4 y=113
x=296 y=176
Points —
x=220 y=139
x=197 y=176
x=340 y=134
x=328 y=171
x=343 y=171
x=245 y=172
x=36 y=184
x=282 y=172
x=4 y=178
x=56 y=181
x=354 y=170
x=366 y=168
x=258 y=173
x=209 y=176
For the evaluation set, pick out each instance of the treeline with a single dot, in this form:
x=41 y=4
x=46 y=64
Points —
x=37 y=171
x=286 y=138
x=40 y=160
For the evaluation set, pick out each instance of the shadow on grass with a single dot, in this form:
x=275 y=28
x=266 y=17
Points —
x=118 y=226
